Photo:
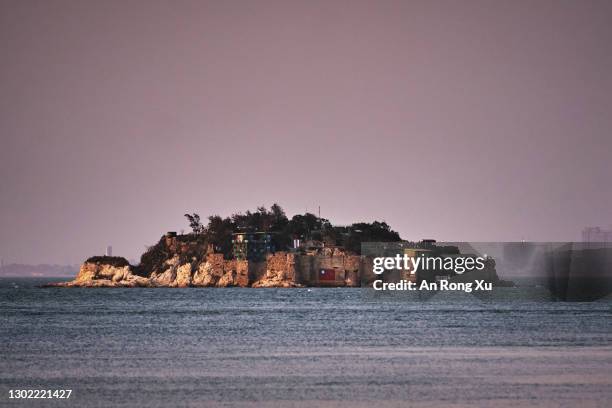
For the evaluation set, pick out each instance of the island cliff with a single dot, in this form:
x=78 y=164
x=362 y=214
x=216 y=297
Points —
x=281 y=269
x=101 y=274
x=259 y=249
x=262 y=248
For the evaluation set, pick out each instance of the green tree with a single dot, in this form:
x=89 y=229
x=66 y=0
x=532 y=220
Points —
x=195 y=223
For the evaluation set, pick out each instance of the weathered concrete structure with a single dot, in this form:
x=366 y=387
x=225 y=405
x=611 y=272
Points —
x=305 y=270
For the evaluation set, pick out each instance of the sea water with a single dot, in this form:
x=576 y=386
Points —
x=302 y=347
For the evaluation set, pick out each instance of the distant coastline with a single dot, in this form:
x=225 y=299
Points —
x=16 y=270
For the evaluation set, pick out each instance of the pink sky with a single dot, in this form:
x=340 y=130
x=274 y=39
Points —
x=455 y=120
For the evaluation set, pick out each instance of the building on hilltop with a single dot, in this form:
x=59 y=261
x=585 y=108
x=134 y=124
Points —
x=251 y=246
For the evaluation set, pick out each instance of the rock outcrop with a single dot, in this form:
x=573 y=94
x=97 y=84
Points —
x=93 y=274
x=219 y=272
x=183 y=275
x=274 y=279
x=279 y=273
x=179 y=270
x=167 y=275
x=214 y=271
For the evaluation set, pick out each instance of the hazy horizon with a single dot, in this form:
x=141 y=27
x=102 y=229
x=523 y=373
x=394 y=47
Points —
x=459 y=121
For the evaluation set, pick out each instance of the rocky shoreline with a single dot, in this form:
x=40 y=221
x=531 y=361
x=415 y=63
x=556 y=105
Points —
x=214 y=272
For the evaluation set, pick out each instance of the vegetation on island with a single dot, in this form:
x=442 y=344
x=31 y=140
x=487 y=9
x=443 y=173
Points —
x=216 y=231
x=116 y=261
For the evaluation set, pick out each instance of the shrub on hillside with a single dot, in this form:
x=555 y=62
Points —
x=117 y=261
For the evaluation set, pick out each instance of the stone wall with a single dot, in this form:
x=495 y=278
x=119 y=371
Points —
x=347 y=269
x=353 y=267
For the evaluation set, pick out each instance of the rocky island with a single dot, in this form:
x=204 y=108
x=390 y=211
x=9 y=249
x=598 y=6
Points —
x=256 y=249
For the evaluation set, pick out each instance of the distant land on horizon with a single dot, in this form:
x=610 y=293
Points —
x=42 y=270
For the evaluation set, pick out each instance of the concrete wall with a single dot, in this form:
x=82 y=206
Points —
x=347 y=269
